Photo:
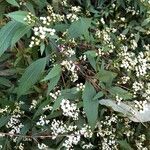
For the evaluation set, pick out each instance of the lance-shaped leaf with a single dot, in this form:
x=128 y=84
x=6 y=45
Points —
x=31 y=76
x=13 y=2
x=120 y=92
x=20 y=33
x=90 y=104
x=6 y=34
x=55 y=71
x=128 y=110
x=18 y=16
x=80 y=28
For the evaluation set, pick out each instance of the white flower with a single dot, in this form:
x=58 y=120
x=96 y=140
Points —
x=118 y=99
x=76 y=9
x=42 y=146
x=72 y=17
x=137 y=86
x=14 y=123
x=88 y=146
x=33 y=104
x=69 y=109
x=102 y=21
x=40 y=33
x=86 y=131
x=73 y=139
x=70 y=66
x=80 y=87
x=58 y=127
x=42 y=121
x=55 y=94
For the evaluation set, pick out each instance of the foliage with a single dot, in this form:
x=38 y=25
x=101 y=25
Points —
x=74 y=74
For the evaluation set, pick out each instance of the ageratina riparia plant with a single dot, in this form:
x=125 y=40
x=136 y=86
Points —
x=74 y=74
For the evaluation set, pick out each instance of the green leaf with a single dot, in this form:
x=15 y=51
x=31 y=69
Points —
x=61 y=27
x=13 y=2
x=90 y=105
x=5 y=82
x=120 y=92
x=20 y=33
x=53 y=83
x=55 y=71
x=31 y=75
x=18 y=16
x=124 y=145
x=40 y=110
x=4 y=120
x=106 y=76
x=70 y=94
x=98 y=95
x=57 y=103
x=40 y=3
x=24 y=131
x=7 y=72
x=91 y=57
x=42 y=48
x=5 y=57
x=79 y=28
x=6 y=144
x=146 y=21
x=3 y=6
x=137 y=37
x=6 y=34
x=91 y=53
x=125 y=31
x=30 y=7
x=121 y=3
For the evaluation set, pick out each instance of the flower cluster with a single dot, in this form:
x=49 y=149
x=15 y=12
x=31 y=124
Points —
x=55 y=95
x=86 y=131
x=107 y=132
x=66 y=51
x=124 y=80
x=146 y=93
x=40 y=33
x=137 y=86
x=52 y=17
x=73 y=139
x=104 y=35
x=59 y=128
x=102 y=53
x=87 y=146
x=71 y=66
x=30 y=18
x=128 y=59
x=80 y=87
x=15 y=124
x=73 y=14
x=140 y=142
x=4 y=110
x=118 y=99
x=142 y=65
x=69 y=109
x=33 y=104
x=42 y=121
x=42 y=146
x=140 y=105
x=131 y=62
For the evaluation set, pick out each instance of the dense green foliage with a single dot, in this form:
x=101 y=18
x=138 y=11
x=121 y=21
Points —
x=74 y=74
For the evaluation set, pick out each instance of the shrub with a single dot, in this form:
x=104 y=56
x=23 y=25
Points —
x=75 y=74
